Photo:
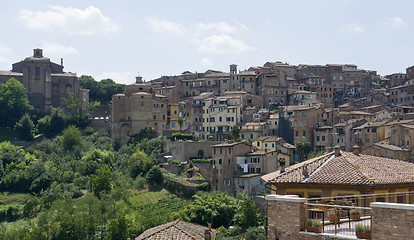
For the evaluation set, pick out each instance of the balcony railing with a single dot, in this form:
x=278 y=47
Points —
x=347 y=215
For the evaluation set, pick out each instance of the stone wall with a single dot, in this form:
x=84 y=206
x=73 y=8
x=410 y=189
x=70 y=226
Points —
x=184 y=150
x=392 y=221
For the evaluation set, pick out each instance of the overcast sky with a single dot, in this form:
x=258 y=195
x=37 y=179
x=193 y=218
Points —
x=122 y=39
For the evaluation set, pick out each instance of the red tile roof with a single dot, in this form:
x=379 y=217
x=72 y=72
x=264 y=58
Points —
x=177 y=230
x=348 y=168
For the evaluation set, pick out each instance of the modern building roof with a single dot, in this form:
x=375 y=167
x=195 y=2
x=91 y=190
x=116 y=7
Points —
x=177 y=230
x=346 y=169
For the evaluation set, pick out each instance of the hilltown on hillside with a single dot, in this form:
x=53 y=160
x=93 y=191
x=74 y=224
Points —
x=257 y=126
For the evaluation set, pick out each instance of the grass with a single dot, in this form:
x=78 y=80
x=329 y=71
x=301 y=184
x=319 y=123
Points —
x=146 y=197
x=8 y=134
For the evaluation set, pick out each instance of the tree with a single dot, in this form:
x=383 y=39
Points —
x=247 y=212
x=180 y=122
x=25 y=128
x=13 y=102
x=303 y=149
x=78 y=111
x=235 y=132
x=95 y=159
x=216 y=208
x=154 y=175
x=101 y=182
x=118 y=229
x=147 y=132
x=139 y=163
x=71 y=137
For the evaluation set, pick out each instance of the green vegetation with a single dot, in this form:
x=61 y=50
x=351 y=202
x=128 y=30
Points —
x=181 y=136
x=314 y=223
x=314 y=154
x=362 y=228
x=303 y=149
x=101 y=91
x=13 y=102
x=78 y=186
x=201 y=160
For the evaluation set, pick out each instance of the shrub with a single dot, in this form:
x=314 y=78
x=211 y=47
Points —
x=181 y=136
x=354 y=211
x=362 y=228
x=314 y=223
x=89 y=131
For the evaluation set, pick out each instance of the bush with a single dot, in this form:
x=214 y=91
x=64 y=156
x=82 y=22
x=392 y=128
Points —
x=354 y=211
x=89 y=131
x=181 y=136
x=314 y=223
x=201 y=160
x=362 y=228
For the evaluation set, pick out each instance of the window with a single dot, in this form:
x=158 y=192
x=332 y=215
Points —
x=229 y=150
x=220 y=161
x=323 y=138
x=317 y=138
x=155 y=117
x=297 y=133
x=304 y=133
x=37 y=73
x=229 y=161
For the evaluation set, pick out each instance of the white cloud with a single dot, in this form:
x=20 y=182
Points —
x=222 y=44
x=206 y=62
x=125 y=77
x=55 y=49
x=162 y=26
x=394 y=21
x=221 y=27
x=353 y=28
x=71 y=21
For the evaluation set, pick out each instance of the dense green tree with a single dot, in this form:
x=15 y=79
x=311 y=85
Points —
x=118 y=229
x=216 y=208
x=139 y=163
x=101 y=91
x=148 y=132
x=71 y=138
x=247 y=212
x=25 y=128
x=78 y=111
x=154 y=175
x=13 y=102
x=52 y=124
x=101 y=182
x=235 y=132
x=95 y=159
x=303 y=149
x=314 y=154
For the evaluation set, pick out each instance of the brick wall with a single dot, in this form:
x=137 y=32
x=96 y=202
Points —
x=392 y=221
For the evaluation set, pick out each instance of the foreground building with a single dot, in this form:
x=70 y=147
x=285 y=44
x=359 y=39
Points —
x=343 y=173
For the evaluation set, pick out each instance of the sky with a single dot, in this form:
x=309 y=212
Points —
x=122 y=39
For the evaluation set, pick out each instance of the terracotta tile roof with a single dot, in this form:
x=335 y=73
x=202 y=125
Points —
x=176 y=230
x=348 y=168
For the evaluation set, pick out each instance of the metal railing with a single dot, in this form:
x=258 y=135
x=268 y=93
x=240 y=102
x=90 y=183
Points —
x=348 y=214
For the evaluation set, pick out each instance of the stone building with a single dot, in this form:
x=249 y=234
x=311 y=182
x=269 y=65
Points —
x=131 y=113
x=228 y=161
x=46 y=83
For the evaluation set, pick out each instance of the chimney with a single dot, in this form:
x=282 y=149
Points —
x=356 y=150
x=282 y=165
x=305 y=171
x=61 y=62
x=337 y=150
x=207 y=232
